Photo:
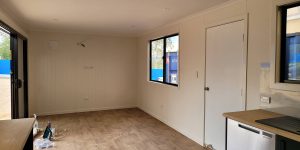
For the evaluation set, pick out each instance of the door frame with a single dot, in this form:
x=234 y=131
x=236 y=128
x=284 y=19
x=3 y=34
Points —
x=245 y=60
x=14 y=76
x=25 y=81
x=14 y=35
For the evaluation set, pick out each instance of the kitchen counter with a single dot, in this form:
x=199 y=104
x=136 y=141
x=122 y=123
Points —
x=16 y=134
x=249 y=117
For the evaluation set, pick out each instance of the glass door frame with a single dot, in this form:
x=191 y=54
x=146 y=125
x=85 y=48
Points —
x=15 y=82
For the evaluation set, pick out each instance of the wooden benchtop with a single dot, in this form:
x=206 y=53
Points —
x=249 y=117
x=14 y=133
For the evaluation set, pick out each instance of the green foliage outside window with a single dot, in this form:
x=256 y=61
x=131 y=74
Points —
x=5 y=53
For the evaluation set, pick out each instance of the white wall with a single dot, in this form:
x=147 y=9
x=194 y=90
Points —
x=258 y=47
x=69 y=78
x=183 y=108
x=11 y=21
x=259 y=51
x=113 y=72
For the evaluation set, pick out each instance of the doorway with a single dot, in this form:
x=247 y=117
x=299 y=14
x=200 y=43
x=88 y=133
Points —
x=13 y=74
x=225 y=78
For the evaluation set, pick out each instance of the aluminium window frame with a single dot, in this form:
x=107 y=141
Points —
x=275 y=48
x=164 y=38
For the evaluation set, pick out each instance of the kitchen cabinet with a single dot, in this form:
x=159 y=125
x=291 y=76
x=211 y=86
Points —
x=16 y=134
x=244 y=137
x=281 y=139
x=283 y=143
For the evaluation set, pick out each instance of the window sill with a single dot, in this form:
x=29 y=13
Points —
x=286 y=86
x=163 y=83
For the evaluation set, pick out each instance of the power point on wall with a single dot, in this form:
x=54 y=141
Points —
x=265 y=99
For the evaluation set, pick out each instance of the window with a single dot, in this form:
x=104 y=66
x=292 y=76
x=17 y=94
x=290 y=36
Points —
x=164 y=59
x=290 y=44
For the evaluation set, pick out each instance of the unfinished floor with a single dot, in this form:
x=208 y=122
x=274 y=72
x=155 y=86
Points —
x=126 y=129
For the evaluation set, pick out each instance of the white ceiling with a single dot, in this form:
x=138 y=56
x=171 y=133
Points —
x=124 y=17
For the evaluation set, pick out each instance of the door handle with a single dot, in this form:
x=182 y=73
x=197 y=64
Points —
x=19 y=83
x=206 y=88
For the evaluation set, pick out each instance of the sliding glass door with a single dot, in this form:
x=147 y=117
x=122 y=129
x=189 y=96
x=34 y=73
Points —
x=13 y=74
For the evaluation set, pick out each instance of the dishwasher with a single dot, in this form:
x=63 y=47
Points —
x=244 y=137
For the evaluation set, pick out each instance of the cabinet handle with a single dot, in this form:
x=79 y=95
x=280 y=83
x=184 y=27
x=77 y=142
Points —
x=249 y=129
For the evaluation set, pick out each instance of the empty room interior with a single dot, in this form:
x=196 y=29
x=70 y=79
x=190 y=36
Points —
x=150 y=74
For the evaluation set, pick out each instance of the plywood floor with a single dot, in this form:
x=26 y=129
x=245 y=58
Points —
x=126 y=129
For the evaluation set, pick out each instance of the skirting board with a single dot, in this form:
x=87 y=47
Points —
x=83 y=110
x=188 y=135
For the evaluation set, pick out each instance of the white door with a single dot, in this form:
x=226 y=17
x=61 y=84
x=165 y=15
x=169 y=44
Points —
x=225 y=79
